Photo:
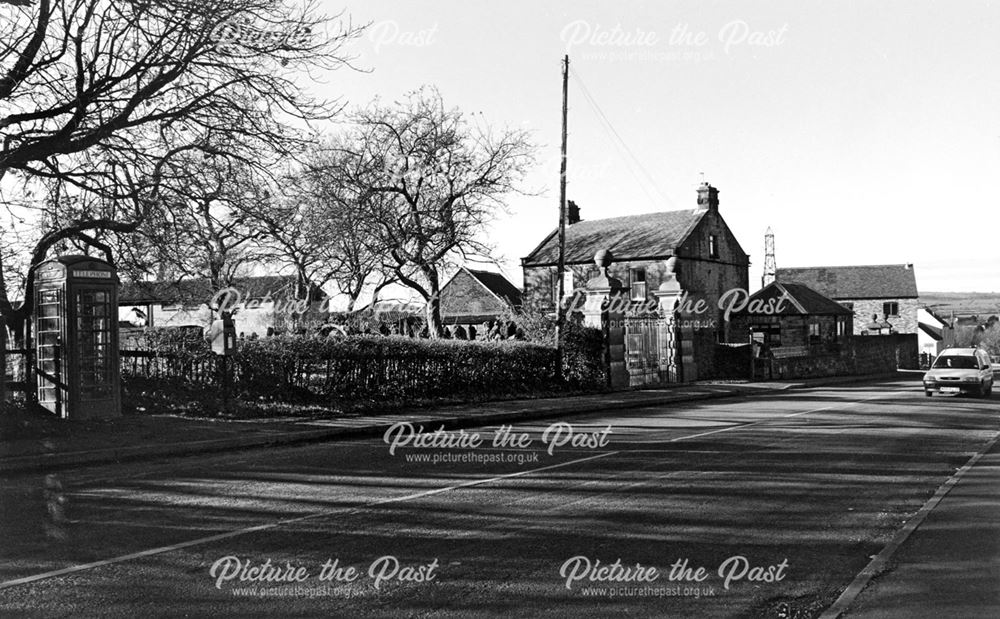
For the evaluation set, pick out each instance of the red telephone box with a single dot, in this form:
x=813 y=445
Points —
x=76 y=338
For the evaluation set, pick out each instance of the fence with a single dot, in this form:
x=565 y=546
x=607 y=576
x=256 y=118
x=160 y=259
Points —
x=150 y=365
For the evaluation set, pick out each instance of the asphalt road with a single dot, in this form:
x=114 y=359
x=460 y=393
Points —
x=779 y=500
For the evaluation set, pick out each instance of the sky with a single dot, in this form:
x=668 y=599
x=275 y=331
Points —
x=860 y=132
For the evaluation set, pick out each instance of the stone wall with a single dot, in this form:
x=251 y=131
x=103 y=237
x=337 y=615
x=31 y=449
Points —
x=858 y=356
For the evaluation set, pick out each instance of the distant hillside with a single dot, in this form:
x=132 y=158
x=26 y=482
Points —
x=982 y=304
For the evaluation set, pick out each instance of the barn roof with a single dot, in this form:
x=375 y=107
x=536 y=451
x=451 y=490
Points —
x=802 y=301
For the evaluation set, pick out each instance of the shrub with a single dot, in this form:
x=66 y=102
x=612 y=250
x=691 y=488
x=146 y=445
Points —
x=583 y=356
x=359 y=369
x=583 y=347
x=392 y=368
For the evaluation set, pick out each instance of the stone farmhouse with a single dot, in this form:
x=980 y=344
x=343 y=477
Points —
x=883 y=298
x=692 y=252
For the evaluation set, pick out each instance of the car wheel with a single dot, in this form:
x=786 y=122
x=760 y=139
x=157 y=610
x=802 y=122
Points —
x=928 y=393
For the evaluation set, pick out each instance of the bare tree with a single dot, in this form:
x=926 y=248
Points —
x=323 y=230
x=203 y=226
x=102 y=95
x=430 y=182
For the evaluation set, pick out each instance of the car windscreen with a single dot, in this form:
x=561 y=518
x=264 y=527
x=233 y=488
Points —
x=963 y=362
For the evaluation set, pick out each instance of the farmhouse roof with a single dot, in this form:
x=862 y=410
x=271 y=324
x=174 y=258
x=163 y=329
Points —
x=884 y=281
x=630 y=237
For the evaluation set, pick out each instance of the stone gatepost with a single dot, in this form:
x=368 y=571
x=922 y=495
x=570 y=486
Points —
x=677 y=362
x=604 y=309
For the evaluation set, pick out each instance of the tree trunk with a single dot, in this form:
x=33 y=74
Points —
x=3 y=361
x=434 y=325
x=433 y=313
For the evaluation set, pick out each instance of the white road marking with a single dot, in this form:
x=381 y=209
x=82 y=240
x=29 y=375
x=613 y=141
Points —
x=279 y=523
x=760 y=421
x=265 y=527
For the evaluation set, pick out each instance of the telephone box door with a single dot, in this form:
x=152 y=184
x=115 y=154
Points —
x=50 y=324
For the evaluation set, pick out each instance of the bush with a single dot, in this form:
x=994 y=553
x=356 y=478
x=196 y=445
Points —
x=360 y=370
x=583 y=352
x=391 y=368
x=583 y=356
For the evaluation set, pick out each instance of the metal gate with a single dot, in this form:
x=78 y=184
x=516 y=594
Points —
x=651 y=350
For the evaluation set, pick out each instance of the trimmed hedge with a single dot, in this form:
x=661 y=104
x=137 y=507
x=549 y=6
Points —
x=365 y=369
x=391 y=368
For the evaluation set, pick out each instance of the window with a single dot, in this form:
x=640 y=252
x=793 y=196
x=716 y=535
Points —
x=890 y=309
x=94 y=327
x=768 y=336
x=841 y=327
x=713 y=246
x=813 y=332
x=637 y=284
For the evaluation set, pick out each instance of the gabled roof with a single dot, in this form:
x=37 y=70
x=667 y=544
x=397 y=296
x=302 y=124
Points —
x=199 y=290
x=931 y=330
x=802 y=301
x=885 y=281
x=933 y=314
x=653 y=235
x=498 y=285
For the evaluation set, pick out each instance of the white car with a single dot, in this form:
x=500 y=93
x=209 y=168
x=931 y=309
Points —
x=960 y=370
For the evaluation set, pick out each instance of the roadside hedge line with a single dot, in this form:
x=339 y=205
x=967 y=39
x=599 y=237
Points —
x=371 y=369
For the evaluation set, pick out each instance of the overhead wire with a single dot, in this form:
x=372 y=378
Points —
x=632 y=162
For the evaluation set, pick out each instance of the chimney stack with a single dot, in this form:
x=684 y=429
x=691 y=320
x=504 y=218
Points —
x=572 y=213
x=708 y=197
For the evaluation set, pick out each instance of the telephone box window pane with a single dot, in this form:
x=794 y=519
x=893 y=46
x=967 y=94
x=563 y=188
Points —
x=48 y=296
x=48 y=310
x=48 y=338
x=48 y=324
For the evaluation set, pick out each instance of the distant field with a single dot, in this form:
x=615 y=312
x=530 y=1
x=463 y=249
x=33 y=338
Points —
x=962 y=303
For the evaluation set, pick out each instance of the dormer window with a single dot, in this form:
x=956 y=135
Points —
x=713 y=246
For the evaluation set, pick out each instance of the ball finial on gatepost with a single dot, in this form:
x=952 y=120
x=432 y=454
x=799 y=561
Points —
x=603 y=259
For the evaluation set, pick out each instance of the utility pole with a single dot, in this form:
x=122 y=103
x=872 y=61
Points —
x=561 y=269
